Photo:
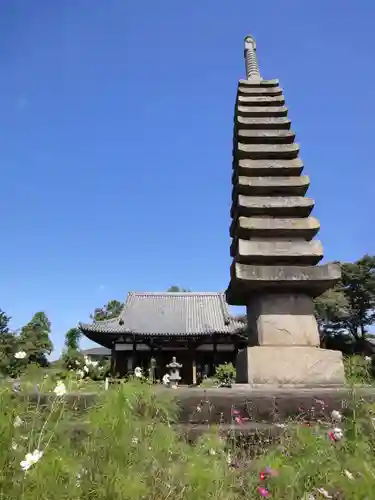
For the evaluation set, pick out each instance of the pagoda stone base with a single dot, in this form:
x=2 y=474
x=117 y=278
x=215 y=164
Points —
x=286 y=366
x=281 y=319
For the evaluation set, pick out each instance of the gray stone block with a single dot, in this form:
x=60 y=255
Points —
x=248 y=136
x=290 y=366
x=249 y=280
x=261 y=83
x=304 y=253
x=262 y=122
x=277 y=206
x=282 y=319
x=268 y=167
x=262 y=110
x=291 y=227
x=267 y=151
x=277 y=100
x=270 y=186
x=246 y=90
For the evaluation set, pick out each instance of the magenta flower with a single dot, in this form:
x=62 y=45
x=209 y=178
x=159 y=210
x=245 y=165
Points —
x=263 y=492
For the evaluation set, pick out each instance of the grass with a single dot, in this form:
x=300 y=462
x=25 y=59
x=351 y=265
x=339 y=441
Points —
x=130 y=450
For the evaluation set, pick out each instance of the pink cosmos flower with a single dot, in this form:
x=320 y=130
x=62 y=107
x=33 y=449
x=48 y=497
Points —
x=263 y=492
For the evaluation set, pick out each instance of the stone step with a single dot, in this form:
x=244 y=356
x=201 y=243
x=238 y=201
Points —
x=268 y=91
x=291 y=227
x=250 y=168
x=262 y=122
x=266 y=151
x=261 y=100
x=268 y=111
x=267 y=251
x=276 y=206
x=272 y=136
x=248 y=279
x=259 y=83
x=191 y=432
x=270 y=186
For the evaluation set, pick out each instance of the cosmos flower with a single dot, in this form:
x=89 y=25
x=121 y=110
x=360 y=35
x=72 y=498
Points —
x=336 y=416
x=20 y=355
x=17 y=421
x=336 y=434
x=31 y=459
x=60 y=389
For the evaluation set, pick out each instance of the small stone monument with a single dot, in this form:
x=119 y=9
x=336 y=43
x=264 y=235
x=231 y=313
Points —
x=174 y=373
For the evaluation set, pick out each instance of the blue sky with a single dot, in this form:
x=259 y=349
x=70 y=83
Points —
x=115 y=146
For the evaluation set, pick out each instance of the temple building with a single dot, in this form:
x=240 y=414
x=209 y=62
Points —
x=196 y=328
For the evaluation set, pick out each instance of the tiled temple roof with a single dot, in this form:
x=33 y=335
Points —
x=169 y=314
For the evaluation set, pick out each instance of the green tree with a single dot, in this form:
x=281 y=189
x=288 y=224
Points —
x=34 y=339
x=348 y=310
x=8 y=346
x=72 y=357
x=177 y=289
x=72 y=338
x=111 y=310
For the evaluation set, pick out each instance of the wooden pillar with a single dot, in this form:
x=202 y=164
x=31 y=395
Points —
x=134 y=353
x=194 y=368
x=113 y=360
x=214 y=354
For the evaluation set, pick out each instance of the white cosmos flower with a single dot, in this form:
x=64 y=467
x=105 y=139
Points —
x=17 y=421
x=80 y=373
x=20 y=355
x=368 y=358
x=86 y=369
x=138 y=372
x=337 y=433
x=324 y=493
x=336 y=416
x=348 y=474
x=60 y=388
x=166 y=379
x=31 y=459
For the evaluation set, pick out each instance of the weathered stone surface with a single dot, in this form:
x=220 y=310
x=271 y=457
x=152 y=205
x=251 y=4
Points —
x=291 y=227
x=246 y=90
x=268 y=167
x=279 y=206
x=290 y=366
x=248 y=136
x=261 y=83
x=263 y=122
x=270 y=186
x=266 y=151
x=262 y=110
x=282 y=319
x=304 y=253
x=248 y=280
x=265 y=404
x=277 y=100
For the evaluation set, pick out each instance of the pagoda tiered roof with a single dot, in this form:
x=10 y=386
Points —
x=272 y=229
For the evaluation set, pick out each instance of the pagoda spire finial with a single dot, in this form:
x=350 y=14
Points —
x=251 y=61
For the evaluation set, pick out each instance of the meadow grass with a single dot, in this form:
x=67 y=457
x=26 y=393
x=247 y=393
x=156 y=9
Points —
x=126 y=447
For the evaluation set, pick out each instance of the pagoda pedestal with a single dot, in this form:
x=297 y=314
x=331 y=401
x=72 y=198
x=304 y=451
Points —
x=274 y=271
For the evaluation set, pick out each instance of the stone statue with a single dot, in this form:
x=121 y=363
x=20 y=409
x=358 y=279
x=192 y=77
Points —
x=174 y=373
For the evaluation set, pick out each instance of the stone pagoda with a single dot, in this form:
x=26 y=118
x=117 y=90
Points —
x=274 y=271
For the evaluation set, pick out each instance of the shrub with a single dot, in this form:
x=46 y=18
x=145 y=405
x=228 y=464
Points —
x=225 y=374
